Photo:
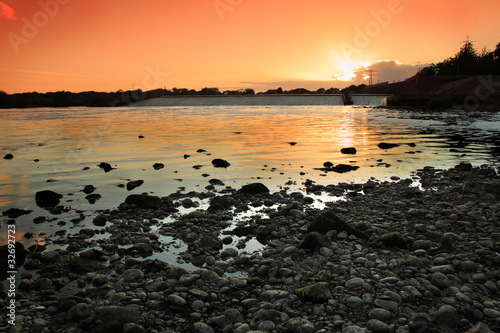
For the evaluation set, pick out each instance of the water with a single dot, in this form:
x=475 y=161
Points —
x=277 y=145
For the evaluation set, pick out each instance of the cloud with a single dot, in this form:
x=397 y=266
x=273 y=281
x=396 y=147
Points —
x=7 y=12
x=385 y=71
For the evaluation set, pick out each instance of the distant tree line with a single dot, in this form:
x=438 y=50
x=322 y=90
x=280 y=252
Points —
x=122 y=98
x=468 y=61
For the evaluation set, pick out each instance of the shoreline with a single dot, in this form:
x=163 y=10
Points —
x=430 y=260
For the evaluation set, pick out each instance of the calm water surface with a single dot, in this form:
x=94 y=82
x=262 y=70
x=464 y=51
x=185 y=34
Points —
x=256 y=140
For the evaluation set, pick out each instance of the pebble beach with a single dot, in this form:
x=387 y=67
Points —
x=410 y=255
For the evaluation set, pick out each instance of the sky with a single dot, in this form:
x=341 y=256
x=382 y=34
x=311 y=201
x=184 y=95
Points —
x=84 y=45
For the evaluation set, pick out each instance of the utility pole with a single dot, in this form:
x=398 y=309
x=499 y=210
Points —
x=370 y=79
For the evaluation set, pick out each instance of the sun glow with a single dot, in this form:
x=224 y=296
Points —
x=350 y=70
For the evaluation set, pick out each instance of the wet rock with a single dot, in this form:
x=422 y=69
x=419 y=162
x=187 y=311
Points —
x=316 y=293
x=385 y=145
x=480 y=328
x=122 y=314
x=88 y=189
x=339 y=168
x=14 y=213
x=200 y=327
x=8 y=157
x=216 y=182
x=221 y=202
x=134 y=183
x=20 y=253
x=220 y=163
x=143 y=201
x=330 y=221
x=92 y=198
x=100 y=220
x=254 y=188
x=353 y=329
x=349 y=150
x=105 y=166
x=133 y=328
x=176 y=300
x=377 y=326
x=82 y=265
x=158 y=166
x=47 y=198
x=133 y=275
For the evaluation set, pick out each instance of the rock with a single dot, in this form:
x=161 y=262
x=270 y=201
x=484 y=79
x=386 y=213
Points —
x=446 y=316
x=480 y=328
x=105 y=166
x=220 y=163
x=384 y=145
x=313 y=240
x=175 y=272
x=79 y=312
x=20 y=253
x=254 y=188
x=92 y=198
x=158 y=166
x=234 y=315
x=440 y=280
x=222 y=202
x=108 y=327
x=200 y=327
x=134 y=183
x=47 y=198
x=8 y=157
x=122 y=314
x=14 y=213
x=330 y=221
x=353 y=329
x=380 y=314
x=216 y=182
x=377 y=326
x=176 y=300
x=393 y=239
x=300 y=325
x=133 y=328
x=88 y=189
x=79 y=264
x=316 y=293
x=143 y=201
x=349 y=150
x=354 y=283
x=133 y=275
x=100 y=220
x=354 y=302
x=339 y=168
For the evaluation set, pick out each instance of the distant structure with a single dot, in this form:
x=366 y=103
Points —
x=370 y=79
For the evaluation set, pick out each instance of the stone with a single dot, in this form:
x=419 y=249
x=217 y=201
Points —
x=330 y=221
x=122 y=314
x=221 y=202
x=377 y=326
x=134 y=183
x=354 y=302
x=234 y=315
x=254 y=188
x=386 y=304
x=47 y=198
x=220 y=163
x=348 y=150
x=380 y=314
x=108 y=327
x=393 y=239
x=88 y=189
x=133 y=275
x=317 y=293
x=446 y=316
x=200 y=327
x=440 y=280
x=144 y=201
x=353 y=329
x=354 y=283
x=300 y=325
x=82 y=265
x=313 y=240
x=8 y=157
x=176 y=300
x=105 y=166
x=133 y=328
x=14 y=213
x=79 y=312
x=100 y=220
x=158 y=166
x=480 y=328
x=385 y=145
x=216 y=182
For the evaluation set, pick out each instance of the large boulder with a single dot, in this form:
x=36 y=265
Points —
x=313 y=240
x=47 y=198
x=254 y=188
x=330 y=221
x=143 y=201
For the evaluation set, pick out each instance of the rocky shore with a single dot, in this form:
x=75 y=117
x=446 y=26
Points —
x=391 y=257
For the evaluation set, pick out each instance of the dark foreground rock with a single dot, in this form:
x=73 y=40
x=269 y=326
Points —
x=220 y=163
x=399 y=258
x=47 y=198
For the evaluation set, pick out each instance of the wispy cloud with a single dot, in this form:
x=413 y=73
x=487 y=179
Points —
x=7 y=12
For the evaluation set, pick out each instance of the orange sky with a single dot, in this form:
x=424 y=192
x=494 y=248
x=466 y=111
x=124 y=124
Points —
x=78 y=45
